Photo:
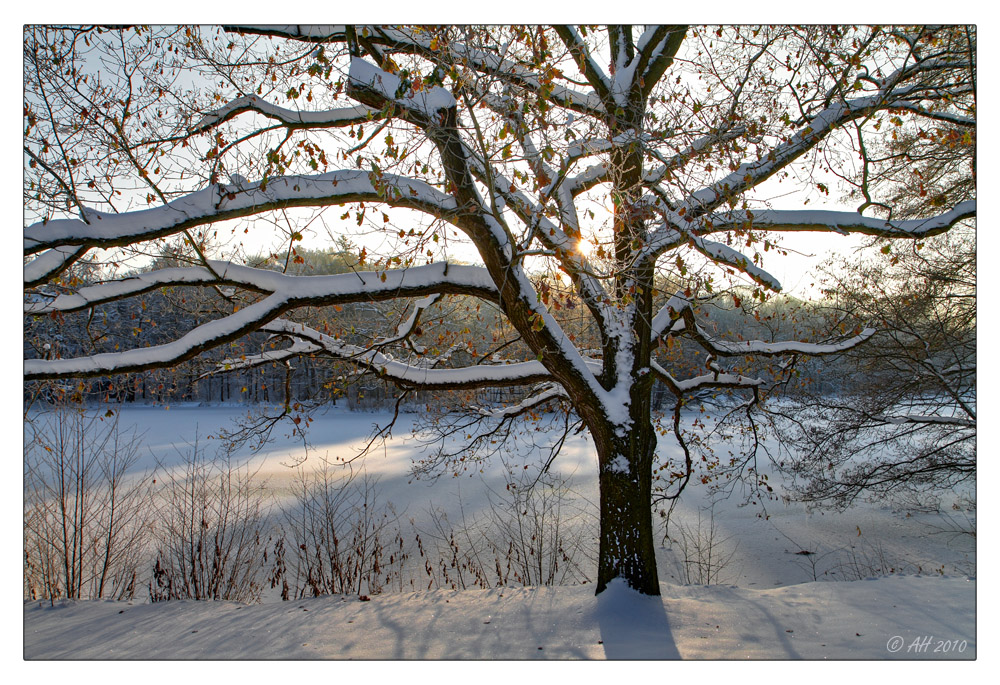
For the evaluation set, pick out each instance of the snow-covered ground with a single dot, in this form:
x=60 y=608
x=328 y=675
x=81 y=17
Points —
x=768 y=598
x=890 y=618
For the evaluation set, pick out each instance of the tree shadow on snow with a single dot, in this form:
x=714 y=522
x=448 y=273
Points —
x=634 y=626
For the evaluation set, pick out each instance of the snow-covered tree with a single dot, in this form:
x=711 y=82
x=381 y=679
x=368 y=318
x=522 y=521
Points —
x=904 y=424
x=615 y=159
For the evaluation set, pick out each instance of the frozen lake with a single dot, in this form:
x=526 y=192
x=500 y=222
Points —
x=763 y=547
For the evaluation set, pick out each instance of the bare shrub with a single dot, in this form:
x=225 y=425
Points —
x=212 y=531
x=870 y=559
x=959 y=523
x=455 y=557
x=532 y=534
x=538 y=531
x=338 y=538
x=85 y=516
x=706 y=554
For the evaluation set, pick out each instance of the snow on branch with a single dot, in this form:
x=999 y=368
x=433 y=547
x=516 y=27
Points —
x=699 y=146
x=482 y=60
x=298 y=348
x=584 y=60
x=666 y=238
x=292 y=118
x=843 y=222
x=947 y=117
x=723 y=254
x=621 y=81
x=677 y=317
x=386 y=86
x=50 y=264
x=406 y=328
x=749 y=174
x=203 y=337
x=288 y=292
x=709 y=380
x=493 y=64
x=669 y=317
x=594 y=146
x=726 y=348
x=598 y=173
x=301 y=347
x=219 y=202
x=552 y=236
x=335 y=289
x=413 y=375
x=552 y=392
x=650 y=47
x=930 y=419
x=93 y=295
x=657 y=47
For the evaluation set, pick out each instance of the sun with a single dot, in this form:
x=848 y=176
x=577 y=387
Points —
x=585 y=247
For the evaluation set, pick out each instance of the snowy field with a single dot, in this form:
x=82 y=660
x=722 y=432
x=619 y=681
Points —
x=767 y=599
x=888 y=618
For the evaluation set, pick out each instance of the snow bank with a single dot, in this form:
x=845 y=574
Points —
x=888 y=618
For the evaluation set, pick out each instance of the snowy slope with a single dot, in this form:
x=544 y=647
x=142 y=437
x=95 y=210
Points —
x=849 y=620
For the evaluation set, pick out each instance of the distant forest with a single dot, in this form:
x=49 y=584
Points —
x=463 y=327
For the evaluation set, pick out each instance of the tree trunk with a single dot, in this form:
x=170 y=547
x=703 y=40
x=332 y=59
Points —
x=626 y=542
x=625 y=453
